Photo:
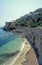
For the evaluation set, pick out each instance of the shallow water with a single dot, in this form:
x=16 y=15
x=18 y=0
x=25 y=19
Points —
x=10 y=45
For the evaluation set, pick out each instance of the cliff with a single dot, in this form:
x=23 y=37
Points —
x=33 y=19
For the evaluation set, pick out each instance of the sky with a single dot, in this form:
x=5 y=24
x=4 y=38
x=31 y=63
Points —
x=13 y=9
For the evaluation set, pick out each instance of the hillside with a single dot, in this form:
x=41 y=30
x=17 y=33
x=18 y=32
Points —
x=33 y=19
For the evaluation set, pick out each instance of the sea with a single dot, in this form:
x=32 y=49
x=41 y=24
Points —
x=10 y=45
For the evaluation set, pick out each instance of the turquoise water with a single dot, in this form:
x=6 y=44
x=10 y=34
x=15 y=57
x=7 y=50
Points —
x=11 y=47
x=9 y=43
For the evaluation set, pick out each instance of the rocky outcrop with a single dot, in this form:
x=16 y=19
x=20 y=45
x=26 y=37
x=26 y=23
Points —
x=8 y=26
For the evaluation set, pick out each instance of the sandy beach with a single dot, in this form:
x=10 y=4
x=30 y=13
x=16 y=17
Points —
x=26 y=49
x=28 y=56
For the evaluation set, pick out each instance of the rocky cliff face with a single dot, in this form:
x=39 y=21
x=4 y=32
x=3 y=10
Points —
x=33 y=19
x=9 y=26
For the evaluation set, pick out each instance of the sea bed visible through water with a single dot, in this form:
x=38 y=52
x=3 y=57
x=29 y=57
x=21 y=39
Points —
x=10 y=45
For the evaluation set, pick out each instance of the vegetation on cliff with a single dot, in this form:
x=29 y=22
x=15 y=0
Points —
x=33 y=19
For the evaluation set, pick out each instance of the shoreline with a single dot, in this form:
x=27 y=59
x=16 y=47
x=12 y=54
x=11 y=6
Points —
x=14 y=60
x=23 y=45
x=26 y=49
